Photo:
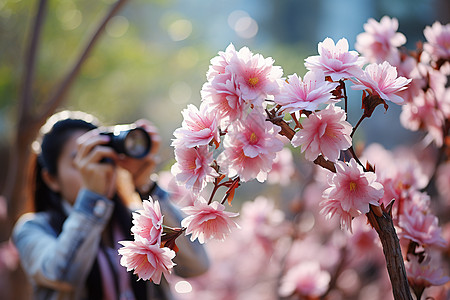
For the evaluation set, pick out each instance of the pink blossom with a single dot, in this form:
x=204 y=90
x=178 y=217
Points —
x=256 y=77
x=283 y=168
x=193 y=167
x=324 y=132
x=382 y=80
x=224 y=97
x=250 y=148
x=353 y=188
x=305 y=279
x=219 y=63
x=335 y=60
x=308 y=94
x=148 y=261
x=421 y=228
x=333 y=207
x=263 y=222
x=380 y=40
x=422 y=113
x=199 y=127
x=207 y=221
x=438 y=41
x=148 y=222
x=424 y=274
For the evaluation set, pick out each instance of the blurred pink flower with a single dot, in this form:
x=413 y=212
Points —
x=199 y=127
x=148 y=261
x=324 y=132
x=308 y=94
x=382 y=80
x=9 y=256
x=424 y=274
x=255 y=76
x=250 y=148
x=207 y=221
x=305 y=279
x=335 y=60
x=263 y=222
x=421 y=227
x=193 y=167
x=380 y=40
x=219 y=62
x=147 y=222
x=224 y=97
x=353 y=188
x=427 y=110
x=283 y=168
x=180 y=195
x=438 y=41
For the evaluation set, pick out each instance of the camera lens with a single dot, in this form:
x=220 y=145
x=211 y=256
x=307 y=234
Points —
x=137 y=143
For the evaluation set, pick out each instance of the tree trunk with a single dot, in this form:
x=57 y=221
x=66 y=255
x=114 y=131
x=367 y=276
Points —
x=382 y=222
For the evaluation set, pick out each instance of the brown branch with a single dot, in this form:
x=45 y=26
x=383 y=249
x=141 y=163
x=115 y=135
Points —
x=30 y=62
x=392 y=252
x=60 y=93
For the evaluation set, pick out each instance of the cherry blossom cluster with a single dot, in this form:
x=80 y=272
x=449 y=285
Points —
x=243 y=101
x=147 y=255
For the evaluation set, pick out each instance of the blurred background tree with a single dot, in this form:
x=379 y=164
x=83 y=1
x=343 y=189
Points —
x=151 y=59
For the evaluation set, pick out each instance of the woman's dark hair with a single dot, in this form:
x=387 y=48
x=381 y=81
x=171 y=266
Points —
x=54 y=136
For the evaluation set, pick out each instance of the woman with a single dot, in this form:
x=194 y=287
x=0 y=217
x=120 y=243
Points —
x=68 y=244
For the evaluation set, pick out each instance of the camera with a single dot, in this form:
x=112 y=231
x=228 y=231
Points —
x=129 y=139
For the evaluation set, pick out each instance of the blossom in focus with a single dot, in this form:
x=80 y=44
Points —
x=147 y=222
x=297 y=94
x=193 y=167
x=421 y=227
x=255 y=76
x=149 y=261
x=438 y=41
x=382 y=80
x=324 y=132
x=250 y=148
x=220 y=62
x=199 y=127
x=283 y=168
x=335 y=61
x=305 y=279
x=380 y=40
x=350 y=191
x=424 y=274
x=224 y=97
x=207 y=221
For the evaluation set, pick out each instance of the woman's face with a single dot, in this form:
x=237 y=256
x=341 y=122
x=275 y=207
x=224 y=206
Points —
x=69 y=178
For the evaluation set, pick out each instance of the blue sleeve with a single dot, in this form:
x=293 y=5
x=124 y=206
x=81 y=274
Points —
x=64 y=260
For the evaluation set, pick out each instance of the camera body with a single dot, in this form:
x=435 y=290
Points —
x=128 y=139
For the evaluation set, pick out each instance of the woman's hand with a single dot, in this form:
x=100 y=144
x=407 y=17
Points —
x=141 y=169
x=97 y=175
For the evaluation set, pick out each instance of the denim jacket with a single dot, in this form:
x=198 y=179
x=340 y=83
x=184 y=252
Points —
x=58 y=265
